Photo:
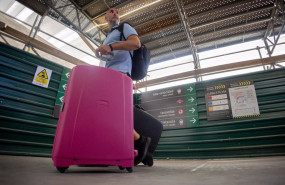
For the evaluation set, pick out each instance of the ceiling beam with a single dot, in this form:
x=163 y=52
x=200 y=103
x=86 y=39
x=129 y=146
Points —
x=127 y=3
x=87 y=43
x=88 y=4
x=209 y=23
x=199 y=37
x=257 y=34
x=117 y=7
x=241 y=27
x=70 y=22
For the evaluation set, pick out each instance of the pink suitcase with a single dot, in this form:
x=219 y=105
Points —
x=95 y=126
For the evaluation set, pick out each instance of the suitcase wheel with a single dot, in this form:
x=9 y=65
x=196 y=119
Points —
x=61 y=169
x=130 y=170
x=121 y=168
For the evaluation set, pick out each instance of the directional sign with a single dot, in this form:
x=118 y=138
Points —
x=59 y=98
x=191 y=99
x=61 y=91
x=175 y=107
x=165 y=102
x=65 y=74
x=180 y=122
x=191 y=110
x=164 y=93
x=190 y=89
x=62 y=86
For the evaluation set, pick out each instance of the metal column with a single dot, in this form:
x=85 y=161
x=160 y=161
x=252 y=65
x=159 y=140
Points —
x=189 y=35
x=275 y=19
x=78 y=28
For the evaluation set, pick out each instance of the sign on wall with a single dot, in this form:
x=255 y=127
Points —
x=174 y=107
x=217 y=102
x=229 y=100
x=243 y=99
x=61 y=91
x=42 y=76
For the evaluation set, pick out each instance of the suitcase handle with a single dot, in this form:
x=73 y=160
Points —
x=105 y=58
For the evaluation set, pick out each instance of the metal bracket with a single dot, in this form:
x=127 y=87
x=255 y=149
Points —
x=275 y=18
x=77 y=28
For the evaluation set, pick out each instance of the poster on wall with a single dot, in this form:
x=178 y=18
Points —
x=236 y=99
x=174 y=107
x=217 y=102
x=243 y=99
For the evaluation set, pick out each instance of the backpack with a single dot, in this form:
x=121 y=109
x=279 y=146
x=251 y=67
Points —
x=140 y=58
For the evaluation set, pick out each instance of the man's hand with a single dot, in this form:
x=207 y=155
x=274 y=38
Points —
x=103 y=50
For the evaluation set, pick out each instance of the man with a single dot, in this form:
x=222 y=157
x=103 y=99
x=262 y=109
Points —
x=122 y=62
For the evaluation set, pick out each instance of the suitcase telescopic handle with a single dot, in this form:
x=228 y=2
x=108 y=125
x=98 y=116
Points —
x=105 y=58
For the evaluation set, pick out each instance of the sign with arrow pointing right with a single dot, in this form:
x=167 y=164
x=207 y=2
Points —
x=175 y=107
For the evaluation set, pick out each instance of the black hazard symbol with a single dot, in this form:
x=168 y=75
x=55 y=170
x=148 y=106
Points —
x=43 y=74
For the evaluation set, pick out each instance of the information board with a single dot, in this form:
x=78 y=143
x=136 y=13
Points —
x=243 y=99
x=175 y=107
x=235 y=99
x=218 y=102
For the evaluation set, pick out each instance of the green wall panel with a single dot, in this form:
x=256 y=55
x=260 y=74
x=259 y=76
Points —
x=27 y=124
x=246 y=137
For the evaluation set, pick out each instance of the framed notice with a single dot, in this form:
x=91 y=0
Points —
x=218 y=102
x=243 y=99
x=235 y=99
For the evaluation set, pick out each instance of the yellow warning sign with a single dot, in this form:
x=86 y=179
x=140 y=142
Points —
x=42 y=76
x=41 y=80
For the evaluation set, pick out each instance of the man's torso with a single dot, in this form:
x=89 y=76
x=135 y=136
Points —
x=122 y=61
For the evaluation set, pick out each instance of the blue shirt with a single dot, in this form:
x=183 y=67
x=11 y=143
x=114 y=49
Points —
x=122 y=60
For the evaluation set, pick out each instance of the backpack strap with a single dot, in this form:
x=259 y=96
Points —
x=121 y=29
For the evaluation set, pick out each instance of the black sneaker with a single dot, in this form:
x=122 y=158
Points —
x=142 y=149
x=148 y=160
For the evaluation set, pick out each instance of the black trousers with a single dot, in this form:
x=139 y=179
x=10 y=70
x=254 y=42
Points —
x=148 y=126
